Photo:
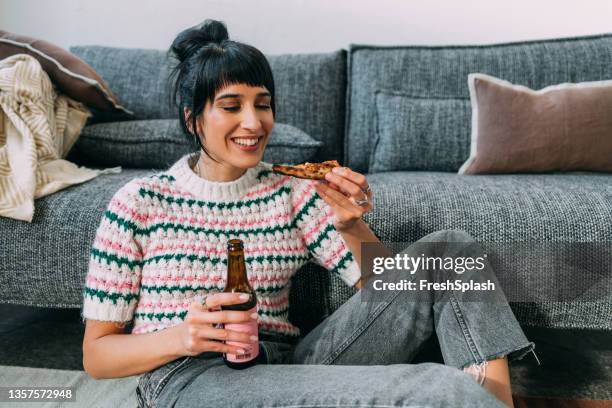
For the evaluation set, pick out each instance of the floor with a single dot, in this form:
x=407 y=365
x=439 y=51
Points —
x=575 y=370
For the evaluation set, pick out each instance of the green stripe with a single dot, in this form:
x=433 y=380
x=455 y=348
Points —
x=313 y=246
x=108 y=258
x=263 y=173
x=164 y=176
x=181 y=315
x=249 y=259
x=342 y=264
x=122 y=222
x=304 y=210
x=184 y=289
x=215 y=232
x=113 y=297
x=212 y=204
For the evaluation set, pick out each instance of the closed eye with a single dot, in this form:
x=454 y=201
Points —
x=237 y=108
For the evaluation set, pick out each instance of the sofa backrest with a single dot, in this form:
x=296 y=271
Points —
x=440 y=72
x=310 y=88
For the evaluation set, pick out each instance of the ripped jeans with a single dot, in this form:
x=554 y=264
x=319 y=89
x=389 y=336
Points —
x=359 y=356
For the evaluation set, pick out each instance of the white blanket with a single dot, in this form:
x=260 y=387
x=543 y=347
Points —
x=38 y=126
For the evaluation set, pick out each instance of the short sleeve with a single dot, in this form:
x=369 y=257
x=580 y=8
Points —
x=112 y=285
x=315 y=220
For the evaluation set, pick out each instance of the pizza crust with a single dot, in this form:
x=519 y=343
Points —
x=312 y=171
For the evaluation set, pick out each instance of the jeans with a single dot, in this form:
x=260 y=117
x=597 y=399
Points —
x=359 y=356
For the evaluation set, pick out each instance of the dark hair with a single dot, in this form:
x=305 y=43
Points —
x=207 y=62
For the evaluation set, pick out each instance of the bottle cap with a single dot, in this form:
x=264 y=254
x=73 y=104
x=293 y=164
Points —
x=234 y=243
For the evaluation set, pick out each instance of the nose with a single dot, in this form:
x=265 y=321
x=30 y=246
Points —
x=250 y=119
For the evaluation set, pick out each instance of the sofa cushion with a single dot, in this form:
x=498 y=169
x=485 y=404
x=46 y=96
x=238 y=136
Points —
x=310 y=88
x=69 y=73
x=45 y=263
x=564 y=127
x=568 y=209
x=419 y=133
x=442 y=71
x=158 y=143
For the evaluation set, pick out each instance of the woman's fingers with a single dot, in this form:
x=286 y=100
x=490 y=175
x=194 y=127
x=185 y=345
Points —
x=222 y=298
x=222 y=347
x=222 y=316
x=209 y=332
x=347 y=186
x=338 y=202
x=357 y=178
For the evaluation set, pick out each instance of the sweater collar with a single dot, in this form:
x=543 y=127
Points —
x=208 y=190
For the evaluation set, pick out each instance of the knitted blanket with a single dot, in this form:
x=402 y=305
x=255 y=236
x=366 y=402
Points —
x=38 y=126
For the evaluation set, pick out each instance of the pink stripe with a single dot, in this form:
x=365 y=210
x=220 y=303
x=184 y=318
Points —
x=266 y=189
x=318 y=226
x=132 y=214
x=162 y=249
x=306 y=194
x=185 y=306
x=99 y=283
x=332 y=260
x=164 y=281
x=219 y=222
x=105 y=244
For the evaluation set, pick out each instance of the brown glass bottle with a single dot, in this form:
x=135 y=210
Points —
x=237 y=281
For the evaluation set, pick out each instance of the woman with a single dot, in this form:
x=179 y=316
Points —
x=157 y=261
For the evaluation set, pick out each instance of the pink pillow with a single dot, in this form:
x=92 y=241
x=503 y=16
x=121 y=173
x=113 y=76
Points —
x=515 y=129
x=72 y=76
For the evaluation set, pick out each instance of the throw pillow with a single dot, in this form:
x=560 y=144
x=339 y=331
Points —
x=563 y=127
x=70 y=74
x=415 y=133
x=158 y=143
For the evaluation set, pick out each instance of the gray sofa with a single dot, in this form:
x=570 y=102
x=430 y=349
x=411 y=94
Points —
x=333 y=98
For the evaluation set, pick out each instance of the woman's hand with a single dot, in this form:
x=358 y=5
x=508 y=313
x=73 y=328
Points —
x=197 y=333
x=349 y=195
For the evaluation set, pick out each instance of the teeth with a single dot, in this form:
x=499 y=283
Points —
x=246 y=142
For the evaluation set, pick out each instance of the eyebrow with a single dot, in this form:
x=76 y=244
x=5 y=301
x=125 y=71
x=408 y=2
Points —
x=234 y=95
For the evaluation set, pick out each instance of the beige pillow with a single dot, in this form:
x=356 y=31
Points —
x=515 y=129
x=70 y=74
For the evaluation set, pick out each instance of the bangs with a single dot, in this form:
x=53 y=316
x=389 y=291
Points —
x=231 y=66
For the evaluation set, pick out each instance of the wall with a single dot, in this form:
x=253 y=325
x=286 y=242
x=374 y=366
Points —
x=285 y=26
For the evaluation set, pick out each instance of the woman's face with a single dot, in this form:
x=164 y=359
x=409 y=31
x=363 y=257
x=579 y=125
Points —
x=237 y=125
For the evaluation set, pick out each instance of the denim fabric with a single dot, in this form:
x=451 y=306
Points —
x=359 y=356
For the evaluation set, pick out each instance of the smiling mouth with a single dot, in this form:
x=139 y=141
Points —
x=247 y=141
x=251 y=141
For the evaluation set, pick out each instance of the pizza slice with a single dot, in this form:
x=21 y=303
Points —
x=313 y=171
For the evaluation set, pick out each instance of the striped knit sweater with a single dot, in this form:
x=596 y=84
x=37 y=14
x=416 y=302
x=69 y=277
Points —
x=161 y=245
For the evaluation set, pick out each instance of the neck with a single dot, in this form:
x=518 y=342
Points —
x=213 y=171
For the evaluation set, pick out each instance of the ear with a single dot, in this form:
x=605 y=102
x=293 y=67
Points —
x=187 y=115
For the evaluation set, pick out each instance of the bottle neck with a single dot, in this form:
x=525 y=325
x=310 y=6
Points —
x=237 y=279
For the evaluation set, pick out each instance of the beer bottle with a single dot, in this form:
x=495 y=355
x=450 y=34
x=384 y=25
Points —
x=237 y=281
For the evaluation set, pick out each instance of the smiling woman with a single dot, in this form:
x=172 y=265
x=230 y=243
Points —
x=159 y=260
x=235 y=129
x=224 y=91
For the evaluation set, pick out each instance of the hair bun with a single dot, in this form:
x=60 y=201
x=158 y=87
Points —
x=191 y=40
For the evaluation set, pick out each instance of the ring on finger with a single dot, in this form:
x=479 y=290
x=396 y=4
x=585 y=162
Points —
x=204 y=301
x=367 y=190
x=362 y=202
